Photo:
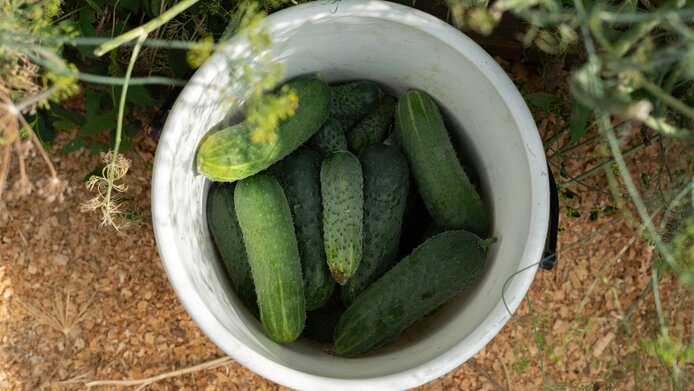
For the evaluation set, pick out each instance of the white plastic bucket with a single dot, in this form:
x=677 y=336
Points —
x=400 y=48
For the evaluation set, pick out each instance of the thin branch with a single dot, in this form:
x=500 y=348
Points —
x=5 y=168
x=145 y=29
x=36 y=98
x=149 y=380
x=486 y=374
x=539 y=348
x=665 y=97
x=121 y=113
x=601 y=166
x=39 y=146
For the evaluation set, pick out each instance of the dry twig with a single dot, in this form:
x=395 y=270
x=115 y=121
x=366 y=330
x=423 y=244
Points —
x=149 y=380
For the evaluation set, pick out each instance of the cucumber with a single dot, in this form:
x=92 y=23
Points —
x=350 y=101
x=386 y=185
x=299 y=175
x=227 y=237
x=432 y=274
x=343 y=201
x=330 y=138
x=373 y=127
x=320 y=324
x=268 y=233
x=228 y=155
x=445 y=188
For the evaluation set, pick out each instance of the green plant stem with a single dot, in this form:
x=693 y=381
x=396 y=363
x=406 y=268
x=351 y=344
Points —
x=601 y=166
x=659 y=125
x=32 y=100
x=632 y=36
x=606 y=127
x=539 y=348
x=603 y=268
x=99 y=79
x=669 y=84
x=555 y=137
x=675 y=203
x=665 y=97
x=121 y=113
x=644 y=293
x=17 y=39
x=637 y=17
x=638 y=202
x=145 y=29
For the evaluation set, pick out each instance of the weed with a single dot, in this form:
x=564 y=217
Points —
x=61 y=316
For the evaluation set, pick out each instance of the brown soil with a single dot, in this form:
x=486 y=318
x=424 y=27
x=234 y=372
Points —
x=133 y=326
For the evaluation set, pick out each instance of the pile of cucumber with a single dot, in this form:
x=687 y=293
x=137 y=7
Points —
x=309 y=224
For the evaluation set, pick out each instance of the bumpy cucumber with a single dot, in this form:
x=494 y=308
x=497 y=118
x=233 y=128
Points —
x=330 y=138
x=268 y=232
x=435 y=272
x=320 y=324
x=299 y=175
x=228 y=154
x=373 y=127
x=350 y=101
x=343 y=201
x=386 y=184
x=227 y=237
x=445 y=188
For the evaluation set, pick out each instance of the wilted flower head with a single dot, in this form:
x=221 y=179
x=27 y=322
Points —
x=110 y=197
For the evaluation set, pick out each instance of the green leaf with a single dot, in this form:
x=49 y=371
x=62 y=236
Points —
x=98 y=171
x=85 y=23
x=97 y=148
x=101 y=123
x=130 y=5
x=96 y=7
x=93 y=103
x=178 y=62
x=133 y=128
x=74 y=144
x=578 y=120
x=152 y=8
x=542 y=100
x=137 y=95
x=59 y=112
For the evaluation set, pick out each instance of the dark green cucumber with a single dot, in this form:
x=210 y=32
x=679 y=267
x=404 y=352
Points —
x=373 y=127
x=350 y=101
x=299 y=175
x=343 y=201
x=386 y=185
x=445 y=188
x=228 y=154
x=268 y=233
x=330 y=138
x=320 y=324
x=435 y=272
x=227 y=237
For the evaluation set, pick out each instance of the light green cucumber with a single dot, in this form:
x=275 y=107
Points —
x=330 y=138
x=373 y=127
x=227 y=237
x=268 y=233
x=386 y=185
x=439 y=269
x=343 y=213
x=350 y=101
x=229 y=154
x=299 y=175
x=445 y=188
